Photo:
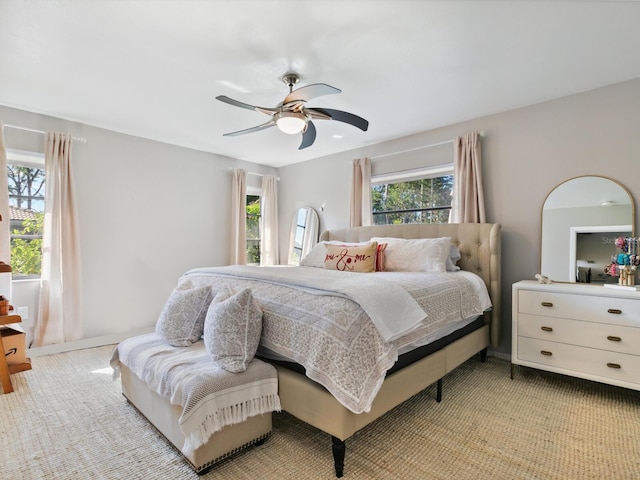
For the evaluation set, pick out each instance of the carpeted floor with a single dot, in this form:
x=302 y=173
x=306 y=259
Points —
x=68 y=420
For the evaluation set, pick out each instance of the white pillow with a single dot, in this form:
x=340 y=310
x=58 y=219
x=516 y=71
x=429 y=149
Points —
x=315 y=258
x=416 y=254
x=181 y=321
x=232 y=329
x=452 y=259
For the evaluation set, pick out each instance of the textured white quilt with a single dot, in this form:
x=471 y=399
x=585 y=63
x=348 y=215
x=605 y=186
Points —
x=331 y=334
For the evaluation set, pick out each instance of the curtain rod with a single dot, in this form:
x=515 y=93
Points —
x=412 y=149
x=76 y=139
x=446 y=142
x=258 y=174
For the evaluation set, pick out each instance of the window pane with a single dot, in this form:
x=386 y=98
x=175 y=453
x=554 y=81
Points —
x=253 y=229
x=26 y=206
x=418 y=201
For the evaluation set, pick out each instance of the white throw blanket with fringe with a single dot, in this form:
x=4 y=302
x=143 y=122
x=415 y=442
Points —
x=211 y=397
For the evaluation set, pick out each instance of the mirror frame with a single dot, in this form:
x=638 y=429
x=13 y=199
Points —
x=307 y=244
x=597 y=228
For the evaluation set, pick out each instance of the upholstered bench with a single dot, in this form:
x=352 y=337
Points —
x=207 y=418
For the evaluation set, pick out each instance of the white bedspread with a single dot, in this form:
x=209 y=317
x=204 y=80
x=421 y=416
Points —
x=211 y=398
x=331 y=335
x=392 y=309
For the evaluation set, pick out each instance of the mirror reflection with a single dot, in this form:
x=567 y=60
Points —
x=581 y=218
x=304 y=234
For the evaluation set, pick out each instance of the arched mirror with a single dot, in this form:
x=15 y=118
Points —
x=304 y=234
x=581 y=218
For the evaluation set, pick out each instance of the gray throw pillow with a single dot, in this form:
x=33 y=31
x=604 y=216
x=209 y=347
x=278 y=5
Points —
x=181 y=321
x=232 y=329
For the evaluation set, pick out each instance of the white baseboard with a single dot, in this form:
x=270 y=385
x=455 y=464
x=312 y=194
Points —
x=85 y=343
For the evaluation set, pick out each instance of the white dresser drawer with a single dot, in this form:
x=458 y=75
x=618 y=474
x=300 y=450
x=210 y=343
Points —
x=613 y=338
x=575 y=360
x=620 y=311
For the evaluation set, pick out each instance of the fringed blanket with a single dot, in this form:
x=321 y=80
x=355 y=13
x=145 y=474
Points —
x=211 y=397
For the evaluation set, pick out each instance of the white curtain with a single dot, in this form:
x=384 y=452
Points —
x=360 y=207
x=467 y=204
x=269 y=254
x=59 y=315
x=239 y=217
x=5 y=239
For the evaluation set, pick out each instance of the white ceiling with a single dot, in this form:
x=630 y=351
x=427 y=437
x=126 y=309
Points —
x=153 y=68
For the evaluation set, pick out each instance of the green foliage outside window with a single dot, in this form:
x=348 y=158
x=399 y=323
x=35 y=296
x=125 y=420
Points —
x=253 y=229
x=417 y=201
x=26 y=253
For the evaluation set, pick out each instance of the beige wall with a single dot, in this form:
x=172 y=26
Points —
x=148 y=212
x=526 y=153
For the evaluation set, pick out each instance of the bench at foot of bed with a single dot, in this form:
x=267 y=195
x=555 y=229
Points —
x=164 y=417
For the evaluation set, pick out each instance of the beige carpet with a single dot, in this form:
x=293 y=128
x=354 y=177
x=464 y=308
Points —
x=68 y=420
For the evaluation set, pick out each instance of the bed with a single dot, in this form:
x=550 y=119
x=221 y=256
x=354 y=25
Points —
x=480 y=248
x=348 y=347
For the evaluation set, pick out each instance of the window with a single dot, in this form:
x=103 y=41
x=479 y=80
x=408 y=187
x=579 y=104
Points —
x=412 y=196
x=25 y=174
x=253 y=229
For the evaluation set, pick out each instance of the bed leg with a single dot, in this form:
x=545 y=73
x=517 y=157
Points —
x=439 y=391
x=483 y=355
x=339 y=448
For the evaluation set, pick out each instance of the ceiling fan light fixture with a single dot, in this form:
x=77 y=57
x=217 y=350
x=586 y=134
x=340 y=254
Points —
x=290 y=122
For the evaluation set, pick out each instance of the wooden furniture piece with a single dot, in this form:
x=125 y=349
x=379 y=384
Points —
x=5 y=369
x=583 y=330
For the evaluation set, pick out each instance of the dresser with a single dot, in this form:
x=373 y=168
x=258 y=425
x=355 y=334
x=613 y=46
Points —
x=583 y=330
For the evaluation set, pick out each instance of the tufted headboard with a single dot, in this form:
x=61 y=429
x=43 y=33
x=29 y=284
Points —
x=479 y=245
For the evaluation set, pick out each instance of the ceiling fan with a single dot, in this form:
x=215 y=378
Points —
x=292 y=116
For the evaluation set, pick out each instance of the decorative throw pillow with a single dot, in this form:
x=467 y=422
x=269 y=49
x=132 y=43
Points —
x=232 y=329
x=416 y=255
x=380 y=257
x=351 y=258
x=181 y=321
x=315 y=258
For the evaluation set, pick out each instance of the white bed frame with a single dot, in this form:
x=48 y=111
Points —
x=479 y=246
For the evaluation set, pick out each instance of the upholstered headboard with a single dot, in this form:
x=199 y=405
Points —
x=479 y=245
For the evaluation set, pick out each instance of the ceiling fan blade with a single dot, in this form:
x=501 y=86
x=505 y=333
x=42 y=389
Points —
x=236 y=103
x=310 y=91
x=308 y=136
x=270 y=123
x=341 y=116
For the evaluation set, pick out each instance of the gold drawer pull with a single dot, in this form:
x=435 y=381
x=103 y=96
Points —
x=614 y=339
x=546 y=353
x=547 y=304
x=546 y=329
x=615 y=311
x=613 y=365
